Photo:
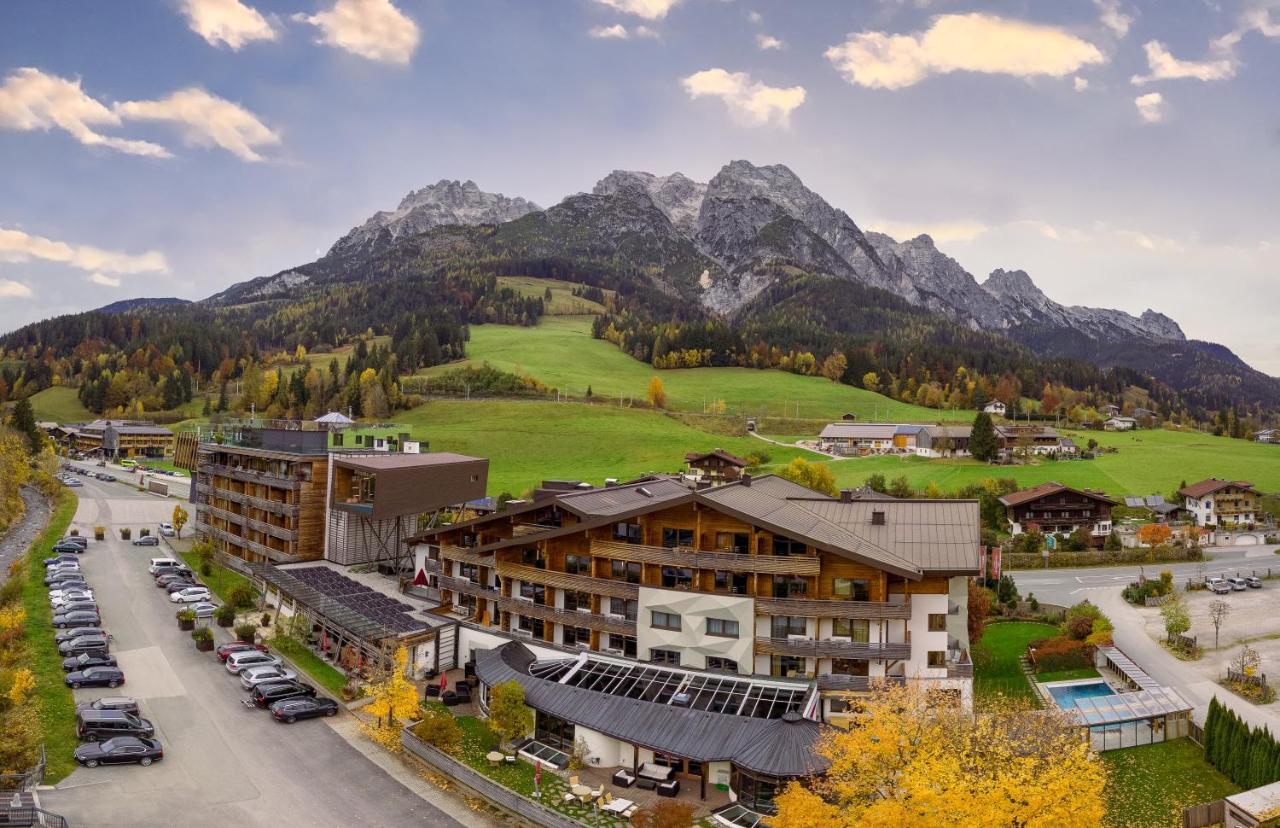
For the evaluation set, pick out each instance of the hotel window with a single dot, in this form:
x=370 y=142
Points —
x=660 y=620
x=574 y=600
x=626 y=644
x=469 y=571
x=624 y=607
x=677 y=577
x=577 y=564
x=722 y=627
x=732 y=582
x=733 y=542
x=786 y=546
x=937 y=622
x=937 y=658
x=626 y=532
x=723 y=665
x=783 y=626
x=853 y=589
x=628 y=571
x=532 y=625
x=857 y=630
x=671 y=538
x=786 y=666
x=576 y=635
x=537 y=593
x=671 y=657
x=850 y=667
x=532 y=557
x=789 y=586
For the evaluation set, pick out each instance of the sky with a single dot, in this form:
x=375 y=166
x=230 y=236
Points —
x=1125 y=154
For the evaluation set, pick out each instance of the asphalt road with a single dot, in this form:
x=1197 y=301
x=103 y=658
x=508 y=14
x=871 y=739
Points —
x=223 y=765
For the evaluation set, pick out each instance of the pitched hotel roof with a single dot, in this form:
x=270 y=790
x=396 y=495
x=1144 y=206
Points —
x=1212 y=485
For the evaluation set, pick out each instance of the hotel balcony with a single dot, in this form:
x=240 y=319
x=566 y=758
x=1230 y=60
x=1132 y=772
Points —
x=834 y=682
x=251 y=476
x=274 y=555
x=572 y=618
x=815 y=608
x=274 y=531
x=570 y=581
x=831 y=648
x=275 y=507
x=801 y=565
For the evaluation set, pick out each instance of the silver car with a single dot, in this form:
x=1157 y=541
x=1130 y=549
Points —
x=251 y=677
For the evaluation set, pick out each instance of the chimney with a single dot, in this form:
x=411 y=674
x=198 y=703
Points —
x=877 y=518
x=846 y=495
x=746 y=479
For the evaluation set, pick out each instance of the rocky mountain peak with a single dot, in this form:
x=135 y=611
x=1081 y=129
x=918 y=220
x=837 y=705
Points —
x=676 y=195
x=445 y=202
x=1014 y=285
x=1161 y=325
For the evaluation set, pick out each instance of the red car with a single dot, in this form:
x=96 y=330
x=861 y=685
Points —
x=225 y=651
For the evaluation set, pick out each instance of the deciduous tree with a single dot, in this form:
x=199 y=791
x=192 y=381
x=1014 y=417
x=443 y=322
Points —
x=656 y=394
x=179 y=519
x=1154 y=534
x=1176 y=618
x=1218 y=612
x=394 y=696
x=816 y=476
x=509 y=716
x=833 y=367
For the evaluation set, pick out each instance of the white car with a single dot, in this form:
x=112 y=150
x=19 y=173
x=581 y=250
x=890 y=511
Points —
x=251 y=677
x=204 y=609
x=166 y=529
x=54 y=595
x=190 y=595
x=251 y=658
x=70 y=596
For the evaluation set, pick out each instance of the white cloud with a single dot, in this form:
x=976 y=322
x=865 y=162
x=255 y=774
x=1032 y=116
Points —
x=646 y=9
x=1080 y=84
x=104 y=280
x=1253 y=19
x=10 y=289
x=943 y=232
x=206 y=121
x=961 y=43
x=1113 y=17
x=19 y=246
x=1150 y=107
x=31 y=100
x=228 y=22
x=1164 y=66
x=373 y=29
x=767 y=42
x=644 y=31
x=754 y=17
x=749 y=101
x=615 y=32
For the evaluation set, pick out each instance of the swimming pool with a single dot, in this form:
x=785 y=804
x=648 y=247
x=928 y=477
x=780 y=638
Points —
x=1066 y=694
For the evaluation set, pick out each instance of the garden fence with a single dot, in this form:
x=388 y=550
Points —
x=1196 y=732
x=1258 y=680
x=1201 y=816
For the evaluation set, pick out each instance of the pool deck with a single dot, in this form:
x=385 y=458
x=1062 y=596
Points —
x=1043 y=688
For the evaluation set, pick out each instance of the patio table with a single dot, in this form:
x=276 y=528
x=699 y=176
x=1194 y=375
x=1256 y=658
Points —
x=494 y=756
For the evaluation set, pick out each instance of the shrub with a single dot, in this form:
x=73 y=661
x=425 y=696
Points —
x=242 y=596
x=1062 y=654
x=144 y=532
x=126 y=534
x=201 y=634
x=665 y=813
x=186 y=614
x=99 y=532
x=246 y=632
x=225 y=615
x=438 y=728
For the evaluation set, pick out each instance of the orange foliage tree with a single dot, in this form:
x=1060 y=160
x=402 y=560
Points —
x=1154 y=534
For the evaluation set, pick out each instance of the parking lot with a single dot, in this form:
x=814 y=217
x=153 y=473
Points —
x=223 y=764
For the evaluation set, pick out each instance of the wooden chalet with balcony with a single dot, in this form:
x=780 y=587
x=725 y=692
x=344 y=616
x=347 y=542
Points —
x=1055 y=509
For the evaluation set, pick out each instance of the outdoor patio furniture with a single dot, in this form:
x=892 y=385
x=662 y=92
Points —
x=619 y=806
x=624 y=778
x=463 y=691
x=432 y=691
x=494 y=757
x=669 y=788
x=644 y=783
x=510 y=760
x=449 y=698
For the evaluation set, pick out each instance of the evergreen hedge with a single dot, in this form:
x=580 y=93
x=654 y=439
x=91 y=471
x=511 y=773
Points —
x=1250 y=757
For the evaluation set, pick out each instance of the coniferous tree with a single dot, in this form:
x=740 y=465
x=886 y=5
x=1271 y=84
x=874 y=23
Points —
x=982 y=441
x=24 y=421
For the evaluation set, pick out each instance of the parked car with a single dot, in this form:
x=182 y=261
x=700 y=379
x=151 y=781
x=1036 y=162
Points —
x=290 y=710
x=225 y=651
x=86 y=660
x=251 y=677
x=63 y=636
x=160 y=566
x=1237 y=584
x=96 y=677
x=73 y=483
x=120 y=750
x=269 y=692
x=82 y=605
x=170 y=577
x=191 y=594
x=126 y=704
x=1253 y=581
x=78 y=618
x=166 y=529
x=62 y=566
x=243 y=661
x=62 y=587
x=59 y=597
x=182 y=583
x=99 y=725
x=147 y=540
x=85 y=644
x=75 y=539
x=1218 y=586
x=203 y=609
x=61 y=557
x=61 y=577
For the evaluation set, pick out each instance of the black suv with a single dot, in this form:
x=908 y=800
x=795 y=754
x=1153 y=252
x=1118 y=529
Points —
x=274 y=691
x=100 y=725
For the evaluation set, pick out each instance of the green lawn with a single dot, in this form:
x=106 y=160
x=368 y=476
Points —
x=1067 y=675
x=57 y=705
x=562 y=303
x=996 y=671
x=527 y=442
x=220 y=581
x=321 y=671
x=1149 y=786
x=561 y=352
x=60 y=404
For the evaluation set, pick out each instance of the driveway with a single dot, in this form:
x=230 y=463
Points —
x=223 y=765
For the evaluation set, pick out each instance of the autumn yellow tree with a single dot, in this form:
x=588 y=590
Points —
x=816 y=476
x=1154 y=534
x=656 y=395
x=394 y=696
x=179 y=518
x=833 y=367
x=906 y=761
x=22 y=686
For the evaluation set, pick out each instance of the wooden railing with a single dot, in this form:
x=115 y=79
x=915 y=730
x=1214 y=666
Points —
x=241 y=520
x=573 y=618
x=275 y=507
x=466 y=587
x=830 y=648
x=570 y=581
x=250 y=476
x=722 y=561
x=818 y=608
x=463 y=555
x=837 y=681
x=243 y=542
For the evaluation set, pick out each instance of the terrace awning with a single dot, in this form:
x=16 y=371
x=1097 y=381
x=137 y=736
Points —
x=1128 y=707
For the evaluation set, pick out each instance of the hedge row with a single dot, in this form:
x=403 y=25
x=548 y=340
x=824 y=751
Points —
x=1101 y=557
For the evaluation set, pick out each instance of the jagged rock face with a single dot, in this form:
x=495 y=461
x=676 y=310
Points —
x=446 y=202
x=677 y=196
x=929 y=277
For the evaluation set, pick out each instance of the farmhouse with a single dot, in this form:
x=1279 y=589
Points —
x=1030 y=439
x=856 y=439
x=1267 y=435
x=1120 y=424
x=1215 y=502
x=1109 y=410
x=717 y=466
x=943 y=441
x=995 y=407
x=1055 y=509
x=707 y=632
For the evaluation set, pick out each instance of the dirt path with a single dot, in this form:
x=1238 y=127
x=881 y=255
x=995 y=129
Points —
x=760 y=436
x=19 y=537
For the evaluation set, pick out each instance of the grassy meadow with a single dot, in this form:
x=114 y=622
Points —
x=60 y=404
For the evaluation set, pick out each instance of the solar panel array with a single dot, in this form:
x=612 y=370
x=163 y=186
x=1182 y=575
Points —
x=361 y=599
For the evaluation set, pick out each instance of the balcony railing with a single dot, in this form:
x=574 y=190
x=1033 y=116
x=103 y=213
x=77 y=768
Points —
x=801 y=565
x=463 y=555
x=818 y=608
x=838 y=681
x=249 y=523
x=251 y=476
x=570 y=581
x=960 y=670
x=467 y=587
x=275 y=507
x=831 y=648
x=244 y=543
x=572 y=618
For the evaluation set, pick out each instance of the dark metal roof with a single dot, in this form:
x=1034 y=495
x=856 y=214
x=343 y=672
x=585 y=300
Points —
x=343 y=602
x=773 y=747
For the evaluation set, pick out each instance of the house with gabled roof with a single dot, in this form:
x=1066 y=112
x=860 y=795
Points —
x=1216 y=502
x=1055 y=509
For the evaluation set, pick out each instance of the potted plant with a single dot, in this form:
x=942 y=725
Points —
x=203 y=636
x=75 y=533
x=126 y=534
x=186 y=619
x=143 y=532
x=225 y=615
x=266 y=619
x=99 y=532
x=246 y=633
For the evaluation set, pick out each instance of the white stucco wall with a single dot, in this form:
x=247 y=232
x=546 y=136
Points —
x=691 y=639
x=922 y=640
